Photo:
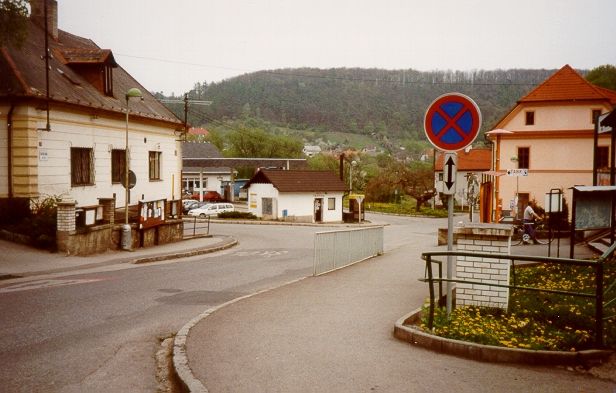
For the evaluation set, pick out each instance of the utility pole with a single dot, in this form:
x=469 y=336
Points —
x=186 y=101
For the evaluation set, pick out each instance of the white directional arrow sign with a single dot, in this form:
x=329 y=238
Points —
x=449 y=173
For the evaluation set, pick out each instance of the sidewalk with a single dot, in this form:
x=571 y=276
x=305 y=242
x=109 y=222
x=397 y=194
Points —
x=18 y=260
x=333 y=333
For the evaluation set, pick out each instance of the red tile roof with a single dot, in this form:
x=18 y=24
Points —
x=474 y=160
x=299 y=181
x=22 y=76
x=567 y=85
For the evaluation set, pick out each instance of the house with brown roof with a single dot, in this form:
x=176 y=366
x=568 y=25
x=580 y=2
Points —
x=74 y=125
x=296 y=195
x=63 y=132
x=549 y=134
x=471 y=164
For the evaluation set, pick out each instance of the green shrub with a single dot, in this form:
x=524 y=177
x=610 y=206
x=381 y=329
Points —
x=14 y=210
x=237 y=215
x=35 y=218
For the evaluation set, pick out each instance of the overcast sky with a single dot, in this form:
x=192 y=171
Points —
x=169 y=45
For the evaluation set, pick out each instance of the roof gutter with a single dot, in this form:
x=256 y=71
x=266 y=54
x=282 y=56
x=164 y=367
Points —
x=9 y=145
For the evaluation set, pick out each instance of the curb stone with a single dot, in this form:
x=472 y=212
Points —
x=180 y=357
x=185 y=254
x=488 y=353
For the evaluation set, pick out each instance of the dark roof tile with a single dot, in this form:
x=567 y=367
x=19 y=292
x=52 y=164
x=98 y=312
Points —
x=299 y=181
x=23 y=76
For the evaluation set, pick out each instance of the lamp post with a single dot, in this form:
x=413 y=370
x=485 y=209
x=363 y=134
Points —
x=514 y=159
x=126 y=231
x=353 y=164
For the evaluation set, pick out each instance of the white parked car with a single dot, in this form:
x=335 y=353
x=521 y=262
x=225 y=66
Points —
x=211 y=209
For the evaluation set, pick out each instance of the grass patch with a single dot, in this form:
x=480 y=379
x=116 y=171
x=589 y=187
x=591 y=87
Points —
x=405 y=207
x=536 y=320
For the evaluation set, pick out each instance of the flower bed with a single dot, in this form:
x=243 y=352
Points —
x=536 y=320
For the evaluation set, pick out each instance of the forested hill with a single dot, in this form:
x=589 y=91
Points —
x=363 y=101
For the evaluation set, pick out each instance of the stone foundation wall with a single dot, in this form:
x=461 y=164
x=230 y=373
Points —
x=106 y=236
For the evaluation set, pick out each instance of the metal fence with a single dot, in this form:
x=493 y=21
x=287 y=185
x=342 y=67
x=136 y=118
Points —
x=336 y=249
x=603 y=297
x=194 y=227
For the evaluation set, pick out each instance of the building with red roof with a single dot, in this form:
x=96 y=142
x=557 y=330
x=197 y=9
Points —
x=549 y=134
x=471 y=164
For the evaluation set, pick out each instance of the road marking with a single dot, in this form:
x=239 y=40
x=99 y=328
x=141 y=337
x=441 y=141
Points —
x=43 y=284
x=266 y=253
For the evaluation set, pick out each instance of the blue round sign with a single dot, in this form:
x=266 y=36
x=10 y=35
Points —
x=452 y=122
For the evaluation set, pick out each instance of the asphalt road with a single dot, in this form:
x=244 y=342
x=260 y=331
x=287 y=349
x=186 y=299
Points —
x=98 y=332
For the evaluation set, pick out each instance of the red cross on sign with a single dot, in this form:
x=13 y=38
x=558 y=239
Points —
x=452 y=122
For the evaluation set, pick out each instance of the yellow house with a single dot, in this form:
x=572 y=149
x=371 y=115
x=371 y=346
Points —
x=549 y=135
x=65 y=132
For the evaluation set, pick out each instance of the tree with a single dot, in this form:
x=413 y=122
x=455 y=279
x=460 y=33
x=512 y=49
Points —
x=324 y=162
x=418 y=182
x=13 y=22
x=259 y=144
x=415 y=180
x=604 y=76
x=216 y=139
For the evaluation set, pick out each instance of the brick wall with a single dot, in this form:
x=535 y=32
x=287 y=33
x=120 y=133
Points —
x=483 y=238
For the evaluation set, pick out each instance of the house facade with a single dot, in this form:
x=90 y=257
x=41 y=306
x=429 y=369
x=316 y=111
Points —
x=197 y=180
x=471 y=165
x=69 y=142
x=550 y=135
x=296 y=195
x=73 y=126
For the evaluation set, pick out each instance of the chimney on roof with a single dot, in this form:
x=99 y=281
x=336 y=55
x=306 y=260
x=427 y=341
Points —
x=37 y=15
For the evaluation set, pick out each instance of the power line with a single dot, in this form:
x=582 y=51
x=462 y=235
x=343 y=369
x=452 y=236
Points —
x=403 y=81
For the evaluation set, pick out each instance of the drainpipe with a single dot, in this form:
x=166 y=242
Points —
x=9 y=145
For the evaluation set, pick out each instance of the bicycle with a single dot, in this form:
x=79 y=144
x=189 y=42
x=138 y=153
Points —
x=520 y=236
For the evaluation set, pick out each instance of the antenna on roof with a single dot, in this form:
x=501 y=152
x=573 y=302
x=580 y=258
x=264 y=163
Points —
x=185 y=101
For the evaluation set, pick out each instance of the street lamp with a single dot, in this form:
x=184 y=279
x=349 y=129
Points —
x=514 y=159
x=126 y=231
x=353 y=164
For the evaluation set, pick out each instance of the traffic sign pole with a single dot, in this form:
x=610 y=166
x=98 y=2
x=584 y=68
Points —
x=451 y=123
x=450 y=261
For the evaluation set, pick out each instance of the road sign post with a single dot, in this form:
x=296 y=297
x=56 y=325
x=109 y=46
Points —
x=451 y=123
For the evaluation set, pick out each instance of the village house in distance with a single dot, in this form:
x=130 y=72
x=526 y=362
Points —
x=296 y=195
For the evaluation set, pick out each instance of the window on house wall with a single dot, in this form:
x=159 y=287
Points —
x=108 y=81
x=82 y=168
x=530 y=118
x=331 y=203
x=523 y=157
x=154 y=164
x=118 y=165
x=440 y=176
x=595 y=114
x=603 y=157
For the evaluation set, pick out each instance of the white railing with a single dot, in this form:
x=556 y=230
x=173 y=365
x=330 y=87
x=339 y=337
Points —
x=336 y=249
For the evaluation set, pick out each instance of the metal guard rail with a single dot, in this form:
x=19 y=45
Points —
x=598 y=266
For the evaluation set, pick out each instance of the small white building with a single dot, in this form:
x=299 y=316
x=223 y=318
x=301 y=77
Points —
x=311 y=151
x=302 y=196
